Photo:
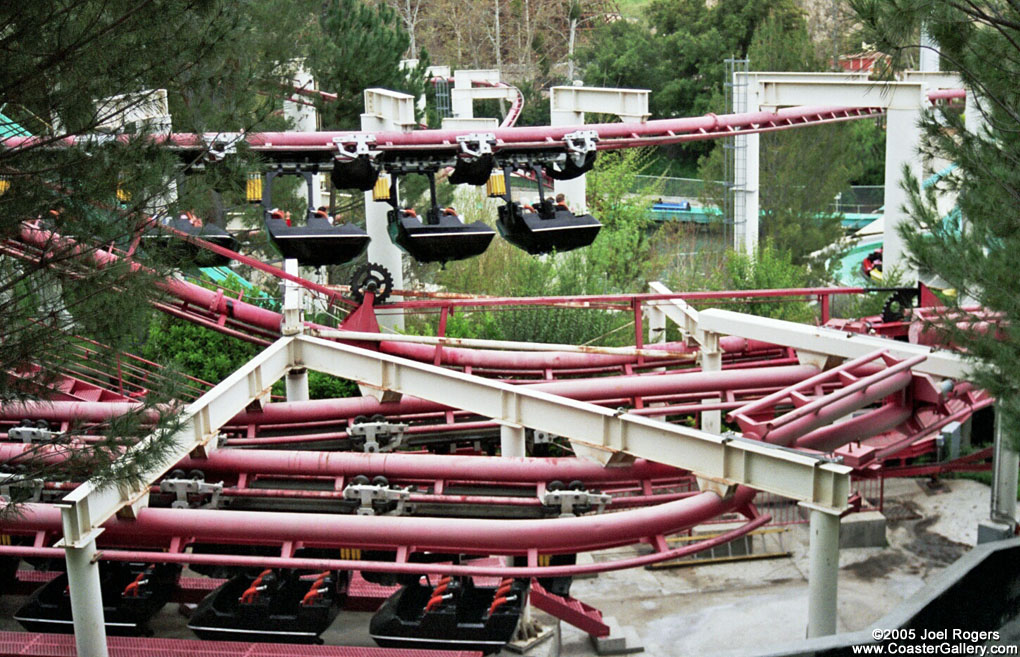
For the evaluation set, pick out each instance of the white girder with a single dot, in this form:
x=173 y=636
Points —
x=390 y=106
x=831 y=342
x=733 y=460
x=631 y=105
x=89 y=505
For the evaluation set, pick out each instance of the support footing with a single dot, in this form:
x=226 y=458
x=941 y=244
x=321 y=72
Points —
x=622 y=640
x=991 y=530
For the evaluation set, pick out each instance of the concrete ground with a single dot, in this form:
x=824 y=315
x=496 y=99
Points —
x=742 y=607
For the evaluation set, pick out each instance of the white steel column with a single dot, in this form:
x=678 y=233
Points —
x=929 y=55
x=384 y=111
x=902 y=137
x=1006 y=462
x=711 y=361
x=823 y=572
x=293 y=324
x=86 y=599
x=511 y=440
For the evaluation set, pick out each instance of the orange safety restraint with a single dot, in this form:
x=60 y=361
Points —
x=439 y=594
x=500 y=597
x=251 y=594
x=316 y=590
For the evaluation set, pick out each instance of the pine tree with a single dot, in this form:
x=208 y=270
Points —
x=61 y=62
x=974 y=249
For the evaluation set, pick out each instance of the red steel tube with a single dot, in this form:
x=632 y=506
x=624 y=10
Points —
x=400 y=467
x=591 y=389
x=481 y=569
x=870 y=424
x=790 y=431
x=459 y=535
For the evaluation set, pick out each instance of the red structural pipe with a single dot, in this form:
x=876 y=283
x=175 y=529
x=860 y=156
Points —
x=870 y=424
x=591 y=389
x=830 y=412
x=946 y=94
x=484 y=569
x=458 y=535
x=624 y=135
x=218 y=303
x=401 y=467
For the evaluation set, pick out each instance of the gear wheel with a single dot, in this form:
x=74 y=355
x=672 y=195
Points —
x=896 y=306
x=371 y=277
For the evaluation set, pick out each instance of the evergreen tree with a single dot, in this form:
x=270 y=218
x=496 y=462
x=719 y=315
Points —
x=61 y=63
x=974 y=249
x=356 y=47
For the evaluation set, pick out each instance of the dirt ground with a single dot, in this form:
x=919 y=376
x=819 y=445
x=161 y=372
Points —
x=739 y=607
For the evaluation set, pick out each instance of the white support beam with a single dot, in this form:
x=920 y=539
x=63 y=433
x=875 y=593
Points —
x=733 y=460
x=475 y=125
x=90 y=505
x=935 y=79
x=679 y=312
x=631 y=105
x=887 y=95
x=831 y=342
x=567 y=106
x=462 y=100
x=465 y=78
x=746 y=183
x=823 y=572
x=391 y=106
x=386 y=111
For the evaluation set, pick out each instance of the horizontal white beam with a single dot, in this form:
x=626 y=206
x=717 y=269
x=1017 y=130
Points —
x=463 y=79
x=888 y=95
x=625 y=103
x=679 y=312
x=465 y=123
x=831 y=342
x=390 y=105
x=935 y=79
x=90 y=505
x=734 y=460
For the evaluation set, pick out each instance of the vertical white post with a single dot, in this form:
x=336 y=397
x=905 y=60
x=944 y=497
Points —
x=746 y=201
x=381 y=250
x=929 y=55
x=511 y=440
x=656 y=324
x=1005 y=463
x=823 y=573
x=902 y=138
x=574 y=190
x=293 y=323
x=711 y=361
x=86 y=600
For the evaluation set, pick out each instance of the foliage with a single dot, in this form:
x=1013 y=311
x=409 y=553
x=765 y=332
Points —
x=679 y=54
x=770 y=268
x=620 y=260
x=975 y=249
x=801 y=171
x=61 y=60
x=359 y=46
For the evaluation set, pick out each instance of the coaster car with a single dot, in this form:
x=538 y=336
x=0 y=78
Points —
x=452 y=615
x=547 y=227
x=320 y=241
x=282 y=606
x=442 y=236
x=191 y=225
x=132 y=594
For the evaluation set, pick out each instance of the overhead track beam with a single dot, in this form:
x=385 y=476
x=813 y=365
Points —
x=733 y=460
